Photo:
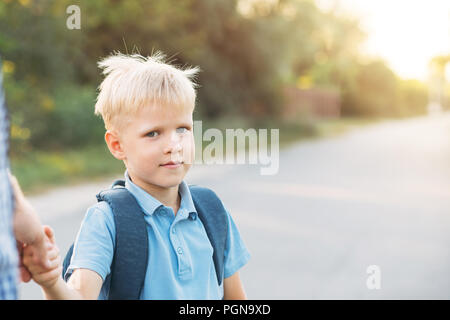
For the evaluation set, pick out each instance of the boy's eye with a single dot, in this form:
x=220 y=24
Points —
x=182 y=130
x=152 y=134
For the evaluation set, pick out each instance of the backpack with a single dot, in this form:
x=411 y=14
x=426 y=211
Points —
x=131 y=248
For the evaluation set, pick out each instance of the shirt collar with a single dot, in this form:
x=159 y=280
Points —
x=150 y=204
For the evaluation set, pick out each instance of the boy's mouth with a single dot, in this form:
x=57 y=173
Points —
x=172 y=164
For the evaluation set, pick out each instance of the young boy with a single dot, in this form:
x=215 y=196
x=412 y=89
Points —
x=147 y=107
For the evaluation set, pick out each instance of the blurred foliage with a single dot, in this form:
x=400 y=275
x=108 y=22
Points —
x=36 y=170
x=412 y=97
x=248 y=51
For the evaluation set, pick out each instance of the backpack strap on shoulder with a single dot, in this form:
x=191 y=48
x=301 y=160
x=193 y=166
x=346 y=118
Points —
x=213 y=215
x=120 y=183
x=129 y=265
x=66 y=263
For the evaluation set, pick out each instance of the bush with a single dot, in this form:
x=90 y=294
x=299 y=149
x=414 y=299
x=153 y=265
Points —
x=72 y=123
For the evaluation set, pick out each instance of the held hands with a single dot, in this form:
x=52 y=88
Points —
x=39 y=255
x=27 y=229
x=44 y=276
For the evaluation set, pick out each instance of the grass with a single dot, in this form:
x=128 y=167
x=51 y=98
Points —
x=38 y=171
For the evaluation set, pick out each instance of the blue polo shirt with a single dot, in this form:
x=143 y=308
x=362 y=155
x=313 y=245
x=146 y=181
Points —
x=180 y=254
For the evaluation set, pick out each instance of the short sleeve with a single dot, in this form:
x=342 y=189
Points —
x=94 y=245
x=236 y=253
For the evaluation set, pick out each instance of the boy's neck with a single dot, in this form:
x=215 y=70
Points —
x=167 y=196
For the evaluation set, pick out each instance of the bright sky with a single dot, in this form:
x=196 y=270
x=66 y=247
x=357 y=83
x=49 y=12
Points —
x=406 y=33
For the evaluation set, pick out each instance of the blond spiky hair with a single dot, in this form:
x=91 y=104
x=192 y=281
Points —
x=133 y=81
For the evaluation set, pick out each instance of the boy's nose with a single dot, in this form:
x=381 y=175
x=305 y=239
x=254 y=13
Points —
x=174 y=144
x=173 y=148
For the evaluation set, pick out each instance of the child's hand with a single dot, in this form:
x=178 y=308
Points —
x=46 y=277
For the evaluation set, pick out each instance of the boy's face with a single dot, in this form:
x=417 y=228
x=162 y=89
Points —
x=153 y=137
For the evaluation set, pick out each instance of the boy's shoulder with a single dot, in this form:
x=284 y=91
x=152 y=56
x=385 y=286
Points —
x=100 y=208
x=100 y=214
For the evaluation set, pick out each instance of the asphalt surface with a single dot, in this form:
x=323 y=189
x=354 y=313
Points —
x=378 y=195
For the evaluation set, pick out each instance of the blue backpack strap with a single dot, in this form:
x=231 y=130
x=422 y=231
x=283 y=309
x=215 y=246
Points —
x=66 y=262
x=129 y=265
x=214 y=218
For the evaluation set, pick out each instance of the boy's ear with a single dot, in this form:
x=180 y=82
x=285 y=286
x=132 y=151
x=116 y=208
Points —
x=114 y=144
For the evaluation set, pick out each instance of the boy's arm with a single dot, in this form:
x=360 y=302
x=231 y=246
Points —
x=236 y=256
x=84 y=284
x=233 y=288
x=92 y=258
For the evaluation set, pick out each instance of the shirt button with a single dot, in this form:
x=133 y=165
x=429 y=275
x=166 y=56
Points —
x=179 y=250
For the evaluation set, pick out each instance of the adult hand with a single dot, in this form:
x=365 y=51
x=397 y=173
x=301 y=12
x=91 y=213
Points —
x=28 y=230
x=25 y=275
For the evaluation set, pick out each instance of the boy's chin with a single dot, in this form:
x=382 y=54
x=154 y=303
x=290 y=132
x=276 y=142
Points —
x=169 y=182
x=161 y=181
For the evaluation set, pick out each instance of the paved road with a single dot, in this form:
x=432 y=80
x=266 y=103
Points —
x=378 y=195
